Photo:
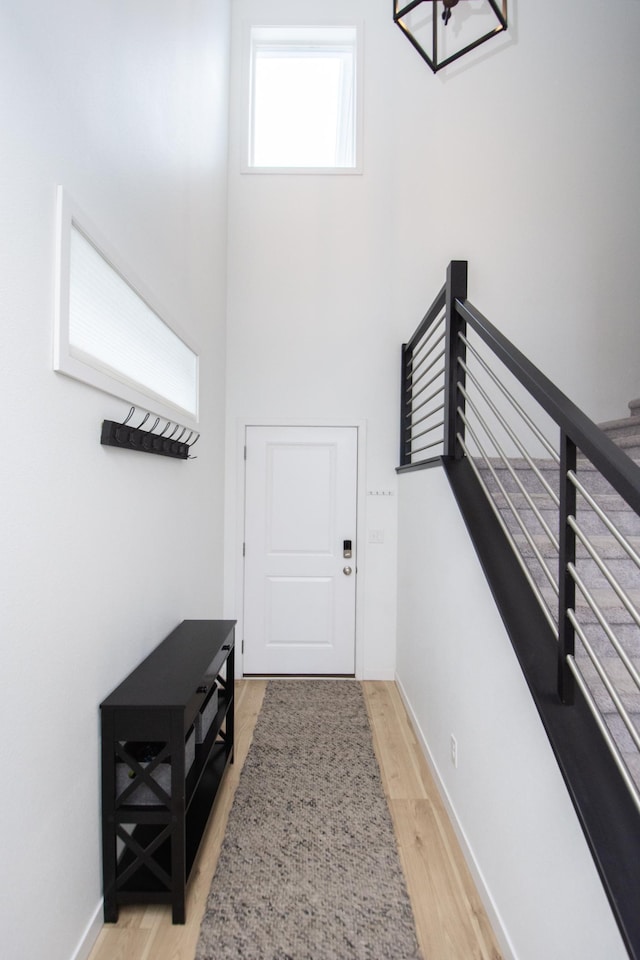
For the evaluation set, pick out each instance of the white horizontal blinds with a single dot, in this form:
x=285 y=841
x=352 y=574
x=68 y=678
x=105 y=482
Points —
x=114 y=330
x=303 y=97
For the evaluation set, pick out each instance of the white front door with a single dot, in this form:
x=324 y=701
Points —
x=300 y=520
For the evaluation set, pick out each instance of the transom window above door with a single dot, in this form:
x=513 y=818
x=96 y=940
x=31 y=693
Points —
x=304 y=94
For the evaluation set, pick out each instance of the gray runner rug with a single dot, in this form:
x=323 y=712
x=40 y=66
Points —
x=309 y=867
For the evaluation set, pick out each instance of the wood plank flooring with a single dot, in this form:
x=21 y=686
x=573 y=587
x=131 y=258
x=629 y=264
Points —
x=450 y=920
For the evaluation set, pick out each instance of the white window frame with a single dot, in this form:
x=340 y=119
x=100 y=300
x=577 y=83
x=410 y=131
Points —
x=86 y=369
x=296 y=46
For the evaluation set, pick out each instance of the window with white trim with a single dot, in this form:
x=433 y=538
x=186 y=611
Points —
x=109 y=333
x=304 y=95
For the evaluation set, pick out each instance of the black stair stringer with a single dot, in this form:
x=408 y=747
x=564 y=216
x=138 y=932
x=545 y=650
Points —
x=605 y=809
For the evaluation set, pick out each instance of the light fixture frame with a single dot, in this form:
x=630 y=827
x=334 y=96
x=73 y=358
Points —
x=401 y=9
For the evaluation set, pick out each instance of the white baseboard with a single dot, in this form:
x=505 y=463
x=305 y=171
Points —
x=90 y=935
x=495 y=919
x=387 y=675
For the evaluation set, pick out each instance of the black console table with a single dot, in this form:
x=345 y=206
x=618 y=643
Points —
x=167 y=737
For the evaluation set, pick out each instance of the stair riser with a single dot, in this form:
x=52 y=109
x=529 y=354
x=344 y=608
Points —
x=591 y=479
x=627 y=634
x=631 y=447
x=621 y=734
x=626 y=427
x=625 y=522
x=608 y=550
x=611 y=607
x=525 y=478
x=630 y=444
x=627 y=576
x=611 y=554
x=630 y=698
x=632 y=419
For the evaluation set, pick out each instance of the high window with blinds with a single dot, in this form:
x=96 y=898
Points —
x=109 y=334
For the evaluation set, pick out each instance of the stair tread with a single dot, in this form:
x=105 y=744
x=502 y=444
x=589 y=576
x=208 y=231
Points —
x=628 y=443
x=611 y=609
x=549 y=467
x=600 y=542
x=628 y=421
x=609 y=498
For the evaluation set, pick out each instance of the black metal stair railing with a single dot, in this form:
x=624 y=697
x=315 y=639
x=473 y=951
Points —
x=560 y=503
x=423 y=373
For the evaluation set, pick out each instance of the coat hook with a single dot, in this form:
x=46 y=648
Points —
x=126 y=435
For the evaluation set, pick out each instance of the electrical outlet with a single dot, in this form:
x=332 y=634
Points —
x=376 y=536
x=454 y=751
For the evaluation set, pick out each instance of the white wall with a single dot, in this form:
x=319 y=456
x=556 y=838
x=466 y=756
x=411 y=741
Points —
x=103 y=551
x=460 y=676
x=309 y=306
x=523 y=161
x=521 y=158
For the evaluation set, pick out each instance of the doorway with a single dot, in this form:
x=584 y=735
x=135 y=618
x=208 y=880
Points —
x=300 y=554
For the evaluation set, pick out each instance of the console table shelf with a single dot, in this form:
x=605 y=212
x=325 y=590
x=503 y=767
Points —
x=167 y=737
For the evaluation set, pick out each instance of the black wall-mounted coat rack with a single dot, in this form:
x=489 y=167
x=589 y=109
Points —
x=169 y=443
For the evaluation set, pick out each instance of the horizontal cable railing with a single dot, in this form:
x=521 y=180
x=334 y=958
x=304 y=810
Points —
x=565 y=496
x=423 y=398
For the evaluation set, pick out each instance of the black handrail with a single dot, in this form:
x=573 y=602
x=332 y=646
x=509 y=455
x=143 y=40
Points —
x=430 y=317
x=605 y=808
x=622 y=473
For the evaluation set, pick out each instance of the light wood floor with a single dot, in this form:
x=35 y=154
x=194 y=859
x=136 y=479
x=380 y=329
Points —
x=450 y=919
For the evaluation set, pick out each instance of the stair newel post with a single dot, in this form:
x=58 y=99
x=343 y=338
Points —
x=566 y=583
x=405 y=407
x=456 y=289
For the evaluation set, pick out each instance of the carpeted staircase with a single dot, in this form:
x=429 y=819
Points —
x=626 y=434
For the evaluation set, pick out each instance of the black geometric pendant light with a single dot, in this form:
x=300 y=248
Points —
x=442 y=34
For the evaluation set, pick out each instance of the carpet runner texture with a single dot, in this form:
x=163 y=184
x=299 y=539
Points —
x=309 y=867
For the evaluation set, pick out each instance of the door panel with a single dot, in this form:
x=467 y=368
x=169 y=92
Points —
x=300 y=488
x=292 y=601
x=299 y=610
